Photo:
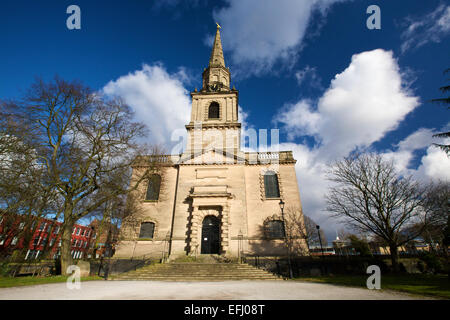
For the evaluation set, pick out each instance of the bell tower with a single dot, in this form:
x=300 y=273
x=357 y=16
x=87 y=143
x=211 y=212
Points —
x=214 y=116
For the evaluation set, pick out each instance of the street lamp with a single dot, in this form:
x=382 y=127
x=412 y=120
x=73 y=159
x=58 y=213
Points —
x=320 y=239
x=285 y=238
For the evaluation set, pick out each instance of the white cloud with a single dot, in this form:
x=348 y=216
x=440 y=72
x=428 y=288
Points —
x=158 y=98
x=435 y=165
x=299 y=119
x=309 y=73
x=432 y=27
x=363 y=103
x=261 y=32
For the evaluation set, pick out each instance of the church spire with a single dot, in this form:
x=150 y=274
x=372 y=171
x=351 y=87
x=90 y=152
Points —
x=217 y=59
x=216 y=77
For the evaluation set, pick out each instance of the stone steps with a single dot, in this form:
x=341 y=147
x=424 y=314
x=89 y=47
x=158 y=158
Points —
x=197 y=272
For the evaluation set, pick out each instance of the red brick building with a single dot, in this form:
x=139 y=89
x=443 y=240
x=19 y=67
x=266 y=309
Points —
x=46 y=238
x=104 y=233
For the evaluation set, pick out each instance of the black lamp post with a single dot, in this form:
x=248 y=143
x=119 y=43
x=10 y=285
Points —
x=320 y=239
x=286 y=239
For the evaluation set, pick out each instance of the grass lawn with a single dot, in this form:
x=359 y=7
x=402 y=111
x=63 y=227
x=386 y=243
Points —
x=6 y=282
x=431 y=285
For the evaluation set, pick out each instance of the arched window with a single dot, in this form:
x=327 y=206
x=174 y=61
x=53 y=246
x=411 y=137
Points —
x=213 y=111
x=271 y=185
x=274 y=229
x=154 y=184
x=147 y=230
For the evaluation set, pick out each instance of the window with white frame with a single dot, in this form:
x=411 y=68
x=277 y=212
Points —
x=78 y=231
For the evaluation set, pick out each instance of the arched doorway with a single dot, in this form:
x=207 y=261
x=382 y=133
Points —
x=210 y=235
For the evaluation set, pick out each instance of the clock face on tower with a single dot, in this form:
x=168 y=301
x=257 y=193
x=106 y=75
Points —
x=214 y=87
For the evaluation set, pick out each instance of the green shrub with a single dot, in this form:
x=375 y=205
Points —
x=5 y=269
x=433 y=263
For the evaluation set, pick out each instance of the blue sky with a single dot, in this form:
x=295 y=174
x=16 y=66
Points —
x=310 y=68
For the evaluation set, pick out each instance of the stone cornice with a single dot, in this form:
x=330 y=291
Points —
x=218 y=125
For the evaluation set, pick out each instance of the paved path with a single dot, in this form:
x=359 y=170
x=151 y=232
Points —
x=228 y=290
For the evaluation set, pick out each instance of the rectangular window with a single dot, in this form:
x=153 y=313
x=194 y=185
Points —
x=36 y=241
x=78 y=231
x=21 y=225
x=80 y=244
x=153 y=187
x=56 y=230
x=271 y=185
x=42 y=226
x=52 y=241
x=14 y=241
x=82 y=232
x=30 y=255
x=88 y=233
x=274 y=229
x=59 y=243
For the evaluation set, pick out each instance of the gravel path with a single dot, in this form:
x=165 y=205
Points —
x=228 y=290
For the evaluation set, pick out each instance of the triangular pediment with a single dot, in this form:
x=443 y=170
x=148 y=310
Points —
x=211 y=156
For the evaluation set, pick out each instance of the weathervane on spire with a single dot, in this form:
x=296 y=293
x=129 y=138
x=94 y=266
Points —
x=218 y=26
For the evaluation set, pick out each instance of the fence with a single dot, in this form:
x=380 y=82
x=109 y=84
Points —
x=327 y=265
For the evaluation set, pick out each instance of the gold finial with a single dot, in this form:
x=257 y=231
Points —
x=218 y=26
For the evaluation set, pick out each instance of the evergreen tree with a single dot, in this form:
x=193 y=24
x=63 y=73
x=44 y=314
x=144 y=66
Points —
x=445 y=101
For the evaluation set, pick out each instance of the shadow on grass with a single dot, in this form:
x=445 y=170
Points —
x=428 y=285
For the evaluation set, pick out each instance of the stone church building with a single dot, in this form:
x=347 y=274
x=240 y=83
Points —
x=213 y=198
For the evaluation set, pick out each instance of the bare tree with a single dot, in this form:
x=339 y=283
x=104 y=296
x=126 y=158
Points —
x=25 y=195
x=86 y=144
x=301 y=231
x=370 y=196
x=437 y=202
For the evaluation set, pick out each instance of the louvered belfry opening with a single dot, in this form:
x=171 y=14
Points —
x=213 y=111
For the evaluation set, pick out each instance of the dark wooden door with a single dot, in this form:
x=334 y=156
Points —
x=211 y=235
